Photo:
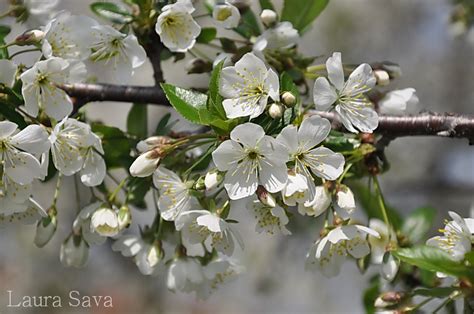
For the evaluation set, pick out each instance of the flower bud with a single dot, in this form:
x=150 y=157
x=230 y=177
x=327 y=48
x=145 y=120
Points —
x=152 y=142
x=268 y=17
x=345 y=199
x=154 y=254
x=213 y=179
x=389 y=299
x=45 y=229
x=276 y=111
x=265 y=197
x=33 y=37
x=389 y=267
x=124 y=217
x=145 y=164
x=105 y=222
x=198 y=65
x=288 y=99
x=382 y=77
x=74 y=251
x=199 y=185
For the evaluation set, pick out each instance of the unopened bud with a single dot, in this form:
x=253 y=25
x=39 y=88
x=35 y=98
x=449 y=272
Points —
x=199 y=185
x=152 y=142
x=32 y=37
x=268 y=17
x=145 y=164
x=265 y=197
x=391 y=68
x=155 y=254
x=105 y=222
x=124 y=217
x=288 y=99
x=390 y=298
x=74 y=251
x=276 y=111
x=45 y=229
x=198 y=65
x=382 y=77
x=213 y=179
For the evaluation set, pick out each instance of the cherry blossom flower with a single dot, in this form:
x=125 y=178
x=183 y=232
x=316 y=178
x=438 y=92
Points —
x=30 y=215
x=281 y=36
x=83 y=223
x=40 y=86
x=247 y=86
x=8 y=71
x=185 y=274
x=399 y=102
x=174 y=194
x=104 y=221
x=457 y=237
x=199 y=226
x=303 y=152
x=176 y=27
x=115 y=56
x=146 y=255
x=226 y=15
x=251 y=158
x=329 y=252
x=75 y=148
x=352 y=106
x=269 y=219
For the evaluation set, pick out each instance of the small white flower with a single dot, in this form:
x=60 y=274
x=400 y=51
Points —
x=104 y=221
x=68 y=36
x=146 y=256
x=226 y=15
x=74 y=252
x=82 y=223
x=176 y=27
x=282 y=36
x=321 y=202
x=269 y=219
x=185 y=274
x=115 y=56
x=329 y=253
x=457 y=238
x=399 y=102
x=7 y=73
x=302 y=143
x=345 y=202
x=251 y=158
x=352 y=106
x=202 y=226
x=75 y=148
x=40 y=86
x=174 y=194
x=247 y=86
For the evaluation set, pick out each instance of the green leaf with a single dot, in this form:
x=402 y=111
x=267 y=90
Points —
x=371 y=206
x=8 y=112
x=228 y=45
x=137 y=188
x=267 y=4
x=190 y=104
x=214 y=102
x=163 y=127
x=301 y=13
x=137 y=120
x=433 y=259
x=249 y=25
x=207 y=35
x=117 y=146
x=4 y=31
x=438 y=292
x=111 y=12
x=418 y=223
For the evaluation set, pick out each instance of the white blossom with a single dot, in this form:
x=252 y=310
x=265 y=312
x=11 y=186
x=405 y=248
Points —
x=185 y=274
x=104 y=221
x=226 y=15
x=146 y=255
x=83 y=223
x=251 y=158
x=281 y=36
x=399 y=102
x=115 y=56
x=457 y=237
x=176 y=27
x=40 y=86
x=75 y=148
x=8 y=71
x=352 y=106
x=247 y=86
x=269 y=219
x=30 y=215
x=174 y=194
x=302 y=143
x=345 y=201
x=202 y=226
x=329 y=253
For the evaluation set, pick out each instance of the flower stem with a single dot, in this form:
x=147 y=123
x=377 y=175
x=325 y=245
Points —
x=23 y=51
x=117 y=189
x=56 y=191
x=346 y=169
x=381 y=202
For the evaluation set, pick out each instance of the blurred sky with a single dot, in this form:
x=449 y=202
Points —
x=425 y=171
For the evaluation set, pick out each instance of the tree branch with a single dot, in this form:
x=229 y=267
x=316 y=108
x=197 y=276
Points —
x=391 y=127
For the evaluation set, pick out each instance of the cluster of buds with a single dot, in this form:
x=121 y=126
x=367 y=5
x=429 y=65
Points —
x=152 y=150
x=276 y=110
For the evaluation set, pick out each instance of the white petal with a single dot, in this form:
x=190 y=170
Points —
x=7 y=72
x=33 y=139
x=248 y=134
x=362 y=117
x=289 y=138
x=242 y=183
x=325 y=163
x=23 y=168
x=360 y=81
x=227 y=155
x=313 y=130
x=335 y=70
x=94 y=170
x=273 y=176
x=7 y=128
x=324 y=95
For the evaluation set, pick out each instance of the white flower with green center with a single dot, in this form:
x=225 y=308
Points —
x=269 y=219
x=399 y=102
x=75 y=148
x=8 y=71
x=176 y=27
x=329 y=253
x=202 y=226
x=303 y=152
x=247 y=86
x=251 y=158
x=281 y=36
x=348 y=97
x=68 y=36
x=457 y=237
x=40 y=86
x=174 y=194
x=104 y=221
x=115 y=56
x=226 y=15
